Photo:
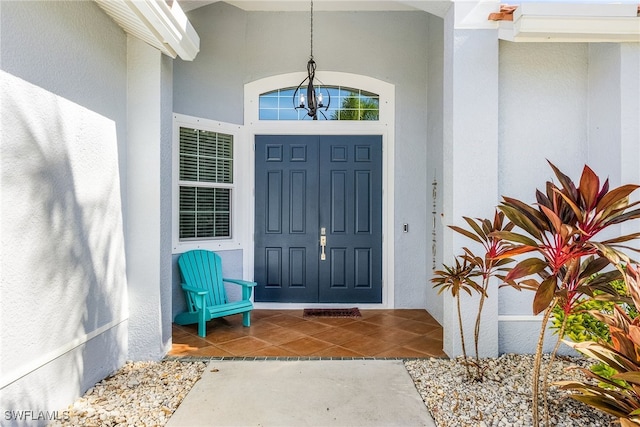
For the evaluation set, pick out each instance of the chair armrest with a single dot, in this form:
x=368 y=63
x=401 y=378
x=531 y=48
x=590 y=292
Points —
x=240 y=282
x=193 y=290
x=246 y=287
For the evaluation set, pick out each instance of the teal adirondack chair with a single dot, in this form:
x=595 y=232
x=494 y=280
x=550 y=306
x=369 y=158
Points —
x=203 y=285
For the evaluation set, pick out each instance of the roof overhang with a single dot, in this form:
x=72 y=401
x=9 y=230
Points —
x=155 y=22
x=569 y=22
x=435 y=7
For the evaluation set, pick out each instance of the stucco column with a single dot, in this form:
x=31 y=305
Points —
x=148 y=206
x=614 y=113
x=470 y=158
x=630 y=117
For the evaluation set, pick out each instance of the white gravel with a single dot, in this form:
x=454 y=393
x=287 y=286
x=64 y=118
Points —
x=147 y=393
x=503 y=398
x=139 y=394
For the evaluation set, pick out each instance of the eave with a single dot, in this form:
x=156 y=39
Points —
x=154 y=22
x=569 y=22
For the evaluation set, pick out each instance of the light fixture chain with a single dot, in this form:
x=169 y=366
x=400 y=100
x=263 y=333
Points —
x=311 y=29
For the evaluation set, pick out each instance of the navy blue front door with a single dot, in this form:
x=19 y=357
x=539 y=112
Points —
x=318 y=219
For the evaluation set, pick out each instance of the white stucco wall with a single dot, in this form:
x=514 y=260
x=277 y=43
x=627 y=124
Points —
x=435 y=168
x=238 y=47
x=62 y=269
x=148 y=237
x=543 y=115
x=470 y=163
x=568 y=103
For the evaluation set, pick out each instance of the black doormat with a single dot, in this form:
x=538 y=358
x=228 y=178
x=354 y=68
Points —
x=331 y=312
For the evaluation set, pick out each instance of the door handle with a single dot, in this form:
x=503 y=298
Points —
x=323 y=243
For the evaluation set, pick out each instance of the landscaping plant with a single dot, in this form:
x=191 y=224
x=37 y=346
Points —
x=617 y=391
x=487 y=265
x=582 y=324
x=560 y=233
x=456 y=279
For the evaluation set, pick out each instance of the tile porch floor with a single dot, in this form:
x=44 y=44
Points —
x=280 y=333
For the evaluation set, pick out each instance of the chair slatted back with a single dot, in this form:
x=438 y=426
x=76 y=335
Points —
x=203 y=269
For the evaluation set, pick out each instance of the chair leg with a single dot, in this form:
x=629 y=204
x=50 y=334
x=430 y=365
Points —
x=246 y=318
x=202 y=324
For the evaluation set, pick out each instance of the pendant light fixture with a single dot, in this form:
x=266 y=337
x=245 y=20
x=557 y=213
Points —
x=312 y=102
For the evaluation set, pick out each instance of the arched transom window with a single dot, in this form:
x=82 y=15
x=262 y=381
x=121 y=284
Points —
x=343 y=103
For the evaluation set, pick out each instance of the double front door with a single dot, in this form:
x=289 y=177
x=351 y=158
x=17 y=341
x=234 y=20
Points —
x=318 y=218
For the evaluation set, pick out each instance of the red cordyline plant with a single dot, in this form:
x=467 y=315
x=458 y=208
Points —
x=455 y=279
x=560 y=234
x=487 y=265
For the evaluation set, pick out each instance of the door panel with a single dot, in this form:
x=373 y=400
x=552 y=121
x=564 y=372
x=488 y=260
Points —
x=351 y=212
x=304 y=184
x=286 y=235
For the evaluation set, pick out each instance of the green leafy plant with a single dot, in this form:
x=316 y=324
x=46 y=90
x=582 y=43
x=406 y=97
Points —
x=605 y=371
x=560 y=231
x=617 y=391
x=581 y=325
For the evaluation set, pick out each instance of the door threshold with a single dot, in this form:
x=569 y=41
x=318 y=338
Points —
x=301 y=306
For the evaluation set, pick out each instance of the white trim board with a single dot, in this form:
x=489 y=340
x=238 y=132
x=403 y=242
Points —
x=29 y=367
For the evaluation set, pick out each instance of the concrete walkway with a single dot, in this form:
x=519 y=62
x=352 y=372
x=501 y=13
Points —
x=303 y=393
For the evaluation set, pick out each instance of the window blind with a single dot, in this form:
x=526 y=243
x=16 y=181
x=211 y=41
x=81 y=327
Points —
x=206 y=170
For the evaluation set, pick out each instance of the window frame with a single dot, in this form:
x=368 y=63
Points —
x=210 y=243
x=340 y=93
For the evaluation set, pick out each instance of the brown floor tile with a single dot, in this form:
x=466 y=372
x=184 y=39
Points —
x=435 y=334
x=285 y=320
x=273 y=351
x=418 y=314
x=258 y=329
x=395 y=335
x=337 y=351
x=402 y=352
x=280 y=335
x=334 y=321
x=306 y=346
x=337 y=336
x=378 y=333
x=368 y=345
x=386 y=320
x=243 y=346
x=309 y=327
x=192 y=341
x=362 y=328
x=416 y=327
x=182 y=350
x=425 y=345
x=224 y=335
x=429 y=319
x=180 y=331
x=211 y=351
x=265 y=314
x=371 y=313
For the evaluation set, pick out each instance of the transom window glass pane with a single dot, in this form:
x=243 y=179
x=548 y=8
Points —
x=206 y=173
x=343 y=104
